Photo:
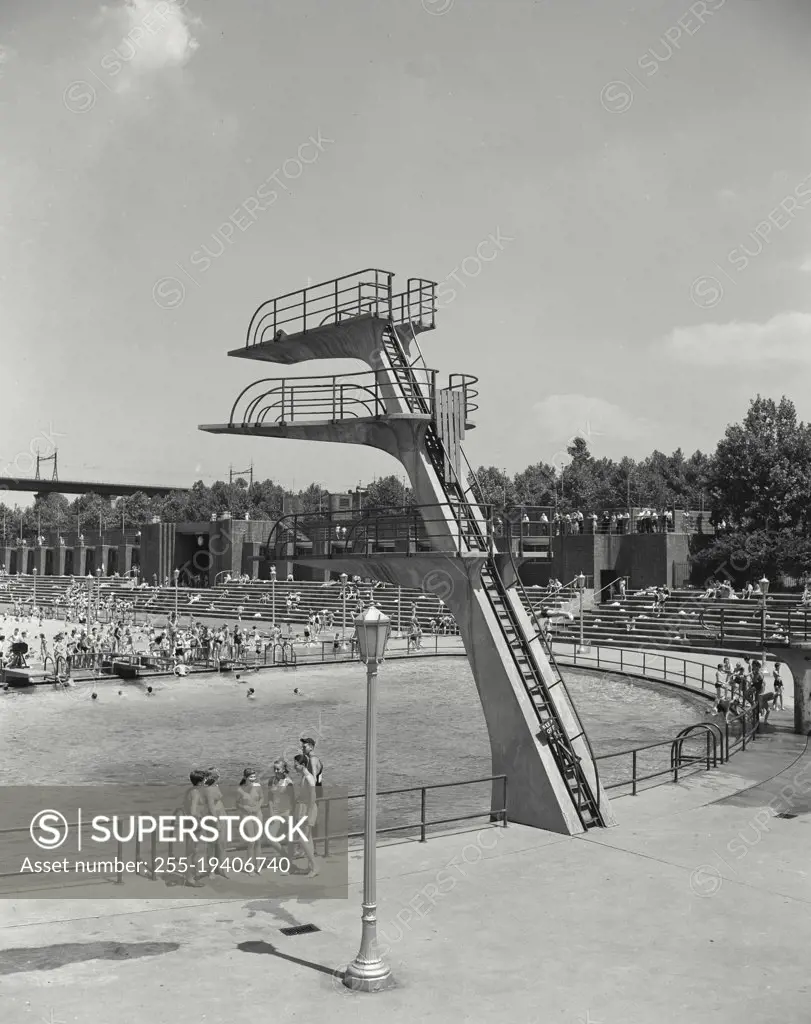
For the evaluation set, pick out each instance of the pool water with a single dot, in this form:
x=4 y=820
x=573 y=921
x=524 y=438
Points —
x=430 y=728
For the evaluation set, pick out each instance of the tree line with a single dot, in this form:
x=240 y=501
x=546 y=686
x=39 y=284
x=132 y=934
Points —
x=756 y=484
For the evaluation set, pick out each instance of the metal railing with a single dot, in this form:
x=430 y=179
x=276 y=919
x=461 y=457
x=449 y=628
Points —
x=665 y=668
x=408 y=530
x=720 y=743
x=366 y=292
x=498 y=814
x=466 y=383
x=146 y=866
x=327 y=399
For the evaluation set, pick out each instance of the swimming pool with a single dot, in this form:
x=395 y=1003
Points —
x=430 y=728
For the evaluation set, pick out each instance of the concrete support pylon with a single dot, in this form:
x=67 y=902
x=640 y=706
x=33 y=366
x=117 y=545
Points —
x=536 y=793
x=798 y=660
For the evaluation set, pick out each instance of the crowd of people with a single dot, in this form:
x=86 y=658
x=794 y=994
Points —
x=646 y=520
x=744 y=686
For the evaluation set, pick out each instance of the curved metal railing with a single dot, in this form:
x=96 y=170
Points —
x=465 y=382
x=334 y=397
x=328 y=398
x=366 y=292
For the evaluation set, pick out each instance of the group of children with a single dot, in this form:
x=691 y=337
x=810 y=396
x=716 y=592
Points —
x=283 y=798
x=744 y=686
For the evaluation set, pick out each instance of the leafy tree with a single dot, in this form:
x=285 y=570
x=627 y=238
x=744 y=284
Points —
x=497 y=488
x=389 y=492
x=761 y=473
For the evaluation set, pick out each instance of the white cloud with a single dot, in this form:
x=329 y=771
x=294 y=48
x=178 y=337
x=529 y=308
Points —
x=786 y=338
x=152 y=35
x=564 y=417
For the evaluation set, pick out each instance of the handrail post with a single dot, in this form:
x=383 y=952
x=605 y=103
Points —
x=327 y=801
x=633 y=773
x=422 y=814
x=504 y=812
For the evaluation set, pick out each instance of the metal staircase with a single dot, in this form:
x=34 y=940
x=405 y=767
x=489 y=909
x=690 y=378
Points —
x=585 y=795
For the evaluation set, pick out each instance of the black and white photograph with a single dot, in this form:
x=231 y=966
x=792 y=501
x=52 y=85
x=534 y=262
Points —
x=405 y=568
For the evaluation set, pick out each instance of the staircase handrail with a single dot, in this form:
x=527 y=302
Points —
x=568 y=741
x=611 y=584
x=553 y=662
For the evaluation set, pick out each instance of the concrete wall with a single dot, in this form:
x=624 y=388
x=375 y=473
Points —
x=645 y=558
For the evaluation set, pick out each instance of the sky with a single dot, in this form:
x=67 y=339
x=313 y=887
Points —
x=637 y=175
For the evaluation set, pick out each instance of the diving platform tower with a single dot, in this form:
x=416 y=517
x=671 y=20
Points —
x=447 y=544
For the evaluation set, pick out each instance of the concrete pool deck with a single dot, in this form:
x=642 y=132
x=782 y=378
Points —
x=684 y=912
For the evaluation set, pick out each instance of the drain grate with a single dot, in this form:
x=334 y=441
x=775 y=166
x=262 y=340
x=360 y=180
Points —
x=300 y=929
x=785 y=814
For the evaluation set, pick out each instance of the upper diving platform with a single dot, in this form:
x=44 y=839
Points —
x=323 y=320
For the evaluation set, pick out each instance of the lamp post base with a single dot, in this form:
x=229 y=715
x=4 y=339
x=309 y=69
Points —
x=368 y=976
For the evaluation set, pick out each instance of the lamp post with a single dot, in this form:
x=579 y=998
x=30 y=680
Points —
x=98 y=594
x=344 y=581
x=581 y=586
x=35 y=589
x=368 y=972
x=273 y=593
x=764 y=590
x=177 y=577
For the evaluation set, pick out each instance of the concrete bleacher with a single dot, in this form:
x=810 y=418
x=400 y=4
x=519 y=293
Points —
x=688 y=619
x=691 y=620
x=227 y=598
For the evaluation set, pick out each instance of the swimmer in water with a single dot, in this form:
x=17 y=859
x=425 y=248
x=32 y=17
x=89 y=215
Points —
x=296 y=690
x=94 y=696
x=251 y=694
x=149 y=691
